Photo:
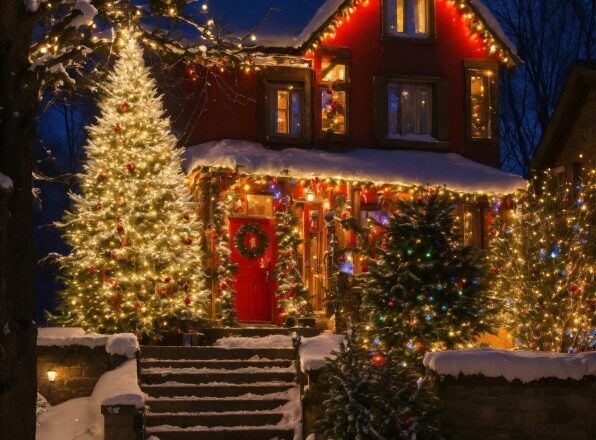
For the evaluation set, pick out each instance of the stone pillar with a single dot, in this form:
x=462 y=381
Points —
x=122 y=422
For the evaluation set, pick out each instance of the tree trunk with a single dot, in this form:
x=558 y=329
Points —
x=18 y=107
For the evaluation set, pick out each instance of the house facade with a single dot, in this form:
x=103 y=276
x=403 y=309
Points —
x=375 y=100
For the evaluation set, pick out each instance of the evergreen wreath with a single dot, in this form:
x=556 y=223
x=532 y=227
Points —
x=262 y=240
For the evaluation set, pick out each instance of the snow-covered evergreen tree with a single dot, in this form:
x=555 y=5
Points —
x=136 y=256
x=292 y=296
x=378 y=396
x=543 y=258
x=225 y=266
x=425 y=289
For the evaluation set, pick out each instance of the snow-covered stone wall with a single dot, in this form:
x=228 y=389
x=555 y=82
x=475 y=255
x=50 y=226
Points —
x=514 y=394
x=79 y=358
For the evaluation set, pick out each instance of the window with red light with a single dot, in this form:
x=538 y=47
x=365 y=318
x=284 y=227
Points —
x=481 y=100
x=334 y=92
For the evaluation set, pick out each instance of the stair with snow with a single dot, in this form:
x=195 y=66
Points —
x=219 y=393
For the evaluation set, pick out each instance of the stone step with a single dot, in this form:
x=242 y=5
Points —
x=222 y=364
x=209 y=404
x=220 y=390
x=257 y=433
x=187 y=420
x=213 y=353
x=226 y=376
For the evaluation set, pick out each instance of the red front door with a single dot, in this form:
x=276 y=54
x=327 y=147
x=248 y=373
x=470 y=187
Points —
x=254 y=280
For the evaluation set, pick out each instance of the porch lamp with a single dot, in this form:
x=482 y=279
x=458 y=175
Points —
x=52 y=375
x=310 y=197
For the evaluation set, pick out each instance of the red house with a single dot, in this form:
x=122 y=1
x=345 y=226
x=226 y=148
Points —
x=375 y=100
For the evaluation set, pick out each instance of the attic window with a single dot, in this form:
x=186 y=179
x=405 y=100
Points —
x=334 y=90
x=408 y=18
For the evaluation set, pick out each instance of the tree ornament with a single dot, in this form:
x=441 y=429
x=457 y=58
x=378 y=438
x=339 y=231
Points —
x=92 y=269
x=378 y=358
x=187 y=300
x=223 y=285
x=130 y=166
x=167 y=279
x=187 y=240
x=99 y=206
x=118 y=127
x=261 y=241
x=186 y=216
x=123 y=107
x=120 y=228
x=391 y=303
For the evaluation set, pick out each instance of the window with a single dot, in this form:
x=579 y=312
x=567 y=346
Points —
x=408 y=18
x=287 y=110
x=412 y=112
x=285 y=105
x=481 y=89
x=334 y=91
x=409 y=110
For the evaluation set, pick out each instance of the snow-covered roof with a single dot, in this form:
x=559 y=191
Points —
x=359 y=164
x=330 y=7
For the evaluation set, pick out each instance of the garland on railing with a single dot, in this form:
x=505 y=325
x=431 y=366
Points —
x=225 y=267
x=292 y=296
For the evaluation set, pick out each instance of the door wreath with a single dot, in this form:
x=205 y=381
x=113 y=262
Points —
x=262 y=241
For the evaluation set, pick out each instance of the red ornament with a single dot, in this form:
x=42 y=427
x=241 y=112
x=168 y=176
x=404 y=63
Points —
x=378 y=359
x=186 y=217
x=102 y=177
x=573 y=288
x=431 y=190
x=118 y=127
x=138 y=305
x=291 y=294
x=223 y=285
x=167 y=279
x=123 y=107
x=114 y=255
x=159 y=290
x=495 y=269
x=120 y=227
x=130 y=166
x=187 y=300
x=391 y=303
x=99 y=206
x=92 y=269
x=342 y=258
x=493 y=232
x=187 y=240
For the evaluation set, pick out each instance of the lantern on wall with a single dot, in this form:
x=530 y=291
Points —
x=52 y=374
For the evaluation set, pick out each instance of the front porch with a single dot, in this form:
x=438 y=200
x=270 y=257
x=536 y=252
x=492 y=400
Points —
x=284 y=228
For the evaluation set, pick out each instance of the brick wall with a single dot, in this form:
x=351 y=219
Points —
x=79 y=368
x=476 y=407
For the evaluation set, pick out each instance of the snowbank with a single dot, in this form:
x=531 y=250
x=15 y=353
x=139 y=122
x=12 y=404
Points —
x=5 y=182
x=314 y=351
x=270 y=341
x=81 y=418
x=523 y=365
x=120 y=387
x=404 y=167
x=125 y=344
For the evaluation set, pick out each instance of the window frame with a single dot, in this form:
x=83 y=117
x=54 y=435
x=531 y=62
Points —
x=470 y=66
x=281 y=77
x=340 y=56
x=439 y=113
x=430 y=37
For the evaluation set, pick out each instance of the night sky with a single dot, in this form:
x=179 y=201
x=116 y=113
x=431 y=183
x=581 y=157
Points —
x=290 y=17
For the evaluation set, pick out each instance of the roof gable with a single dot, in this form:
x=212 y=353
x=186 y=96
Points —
x=335 y=13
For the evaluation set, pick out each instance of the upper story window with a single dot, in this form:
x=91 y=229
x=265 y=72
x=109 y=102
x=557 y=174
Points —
x=334 y=92
x=411 y=112
x=408 y=18
x=286 y=103
x=481 y=100
x=287 y=109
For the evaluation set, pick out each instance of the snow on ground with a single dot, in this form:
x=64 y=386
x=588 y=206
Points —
x=314 y=351
x=81 y=418
x=523 y=365
x=5 y=182
x=404 y=167
x=270 y=341
x=125 y=344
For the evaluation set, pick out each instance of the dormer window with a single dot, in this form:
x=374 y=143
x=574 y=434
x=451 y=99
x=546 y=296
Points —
x=408 y=18
x=334 y=91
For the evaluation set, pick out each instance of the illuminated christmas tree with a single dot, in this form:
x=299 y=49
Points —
x=292 y=296
x=425 y=289
x=136 y=256
x=543 y=257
